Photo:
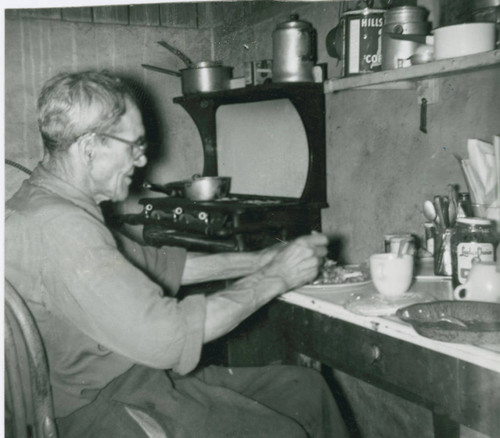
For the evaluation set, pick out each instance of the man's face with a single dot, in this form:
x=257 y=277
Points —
x=115 y=161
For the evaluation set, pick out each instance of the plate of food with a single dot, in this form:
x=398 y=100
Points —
x=335 y=276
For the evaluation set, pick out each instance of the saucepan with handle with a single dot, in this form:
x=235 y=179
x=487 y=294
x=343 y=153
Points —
x=199 y=77
x=198 y=188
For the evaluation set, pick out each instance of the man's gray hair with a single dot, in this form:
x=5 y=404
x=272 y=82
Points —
x=73 y=104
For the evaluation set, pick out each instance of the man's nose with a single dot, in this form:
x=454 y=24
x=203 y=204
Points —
x=141 y=161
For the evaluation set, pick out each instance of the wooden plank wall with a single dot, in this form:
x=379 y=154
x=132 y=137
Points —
x=185 y=15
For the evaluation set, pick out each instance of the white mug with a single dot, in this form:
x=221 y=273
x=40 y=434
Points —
x=483 y=284
x=391 y=275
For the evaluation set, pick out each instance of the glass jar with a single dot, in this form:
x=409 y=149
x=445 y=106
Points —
x=473 y=240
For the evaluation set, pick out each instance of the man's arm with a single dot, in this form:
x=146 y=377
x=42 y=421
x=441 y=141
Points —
x=202 y=267
x=292 y=266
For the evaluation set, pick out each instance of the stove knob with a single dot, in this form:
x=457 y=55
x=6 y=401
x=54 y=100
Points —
x=178 y=211
x=202 y=216
x=147 y=209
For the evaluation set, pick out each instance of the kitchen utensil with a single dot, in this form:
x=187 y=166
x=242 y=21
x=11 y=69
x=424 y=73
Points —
x=446 y=213
x=200 y=77
x=294 y=51
x=438 y=205
x=442 y=251
x=483 y=284
x=178 y=53
x=399 y=242
x=453 y=207
x=453 y=320
x=206 y=188
x=463 y=39
x=429 y=211
x=438 y=320
x=198 y=188
x=405 y=28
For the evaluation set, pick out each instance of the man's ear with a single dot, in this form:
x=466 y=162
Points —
x=86 y=145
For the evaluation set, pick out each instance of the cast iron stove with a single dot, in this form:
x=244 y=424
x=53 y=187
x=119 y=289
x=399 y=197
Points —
x=243 y=222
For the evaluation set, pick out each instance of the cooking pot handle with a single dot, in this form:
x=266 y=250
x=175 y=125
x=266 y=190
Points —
x=178 y=53
x=161 y=70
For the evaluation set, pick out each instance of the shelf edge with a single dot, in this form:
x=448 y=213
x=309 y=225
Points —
x=416 y=72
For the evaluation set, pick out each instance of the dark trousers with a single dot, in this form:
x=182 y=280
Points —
x=215 y=402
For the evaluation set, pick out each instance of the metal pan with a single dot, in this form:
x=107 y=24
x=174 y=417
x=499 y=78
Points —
x=200 y=77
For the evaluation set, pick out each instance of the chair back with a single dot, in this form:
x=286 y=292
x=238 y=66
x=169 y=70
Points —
x=26 y=367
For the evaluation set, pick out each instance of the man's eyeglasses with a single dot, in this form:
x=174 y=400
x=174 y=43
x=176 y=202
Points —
x=138 y=147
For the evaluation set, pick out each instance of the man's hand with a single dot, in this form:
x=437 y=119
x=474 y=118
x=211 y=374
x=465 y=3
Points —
x=298 y=262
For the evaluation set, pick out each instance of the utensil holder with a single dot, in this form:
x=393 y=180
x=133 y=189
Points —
x=442 y=252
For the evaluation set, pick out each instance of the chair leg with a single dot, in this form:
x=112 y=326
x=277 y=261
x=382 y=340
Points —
x=13 y=382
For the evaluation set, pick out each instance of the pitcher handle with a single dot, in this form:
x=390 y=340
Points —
x=458 y=289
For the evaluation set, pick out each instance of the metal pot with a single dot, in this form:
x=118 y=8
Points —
x=405 y=28
x=200 y=77
x=198 y=188
x=294 y=51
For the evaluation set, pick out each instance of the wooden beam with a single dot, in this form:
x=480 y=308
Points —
x=145 y=15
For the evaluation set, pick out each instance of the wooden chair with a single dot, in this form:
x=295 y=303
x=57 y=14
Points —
x=29 y=410
x=25 y=354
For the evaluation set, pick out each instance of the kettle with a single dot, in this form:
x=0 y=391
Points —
x=294 y=51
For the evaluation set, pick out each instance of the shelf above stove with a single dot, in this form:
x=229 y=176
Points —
x=406 y=78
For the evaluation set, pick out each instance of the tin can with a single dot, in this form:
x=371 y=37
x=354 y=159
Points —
x=362 y=41
x=392 y=243
x=429 y=236
x=442 y=252
x=474 y=240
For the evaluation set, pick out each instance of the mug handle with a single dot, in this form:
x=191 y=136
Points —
x=458 y=289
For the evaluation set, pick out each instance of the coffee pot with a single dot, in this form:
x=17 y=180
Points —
x=294 y=51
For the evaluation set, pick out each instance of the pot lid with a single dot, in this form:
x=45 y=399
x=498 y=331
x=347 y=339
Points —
x=294 y=23
x=203 y=64
x=365 y=11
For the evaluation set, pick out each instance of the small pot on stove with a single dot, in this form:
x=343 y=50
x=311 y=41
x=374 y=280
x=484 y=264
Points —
x=198 y=188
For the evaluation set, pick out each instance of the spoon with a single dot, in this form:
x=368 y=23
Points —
x=453 y=320
x=438 y=205
x=453 y=207
x=429 y=211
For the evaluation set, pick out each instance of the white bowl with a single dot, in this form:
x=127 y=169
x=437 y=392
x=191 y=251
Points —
x=463 y=39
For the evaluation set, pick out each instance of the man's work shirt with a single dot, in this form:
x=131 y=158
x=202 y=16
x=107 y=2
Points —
x=99 y=302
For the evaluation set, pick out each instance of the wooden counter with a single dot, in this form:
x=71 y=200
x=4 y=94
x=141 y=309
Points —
x=459 y=383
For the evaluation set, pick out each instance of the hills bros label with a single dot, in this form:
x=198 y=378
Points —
x=362 y=41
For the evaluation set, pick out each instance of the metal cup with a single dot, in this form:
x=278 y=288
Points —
x=442 y=252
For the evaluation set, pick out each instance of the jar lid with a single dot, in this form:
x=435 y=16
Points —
x=473 y=221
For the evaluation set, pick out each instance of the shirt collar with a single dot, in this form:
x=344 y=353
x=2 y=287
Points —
x=42 y=178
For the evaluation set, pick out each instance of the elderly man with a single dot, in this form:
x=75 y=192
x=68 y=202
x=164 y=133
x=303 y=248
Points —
x=106 y=306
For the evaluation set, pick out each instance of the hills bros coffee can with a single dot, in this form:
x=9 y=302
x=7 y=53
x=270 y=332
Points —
x=362 y=41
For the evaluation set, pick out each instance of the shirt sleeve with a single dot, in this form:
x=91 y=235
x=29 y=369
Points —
x=112 y=301
x=164 y=265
